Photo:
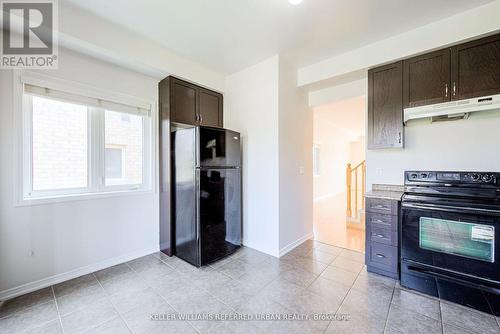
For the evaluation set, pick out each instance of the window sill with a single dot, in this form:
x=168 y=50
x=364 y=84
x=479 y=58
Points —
x=80 y=197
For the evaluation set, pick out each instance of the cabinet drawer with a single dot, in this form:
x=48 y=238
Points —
x=383 y=234
x=382 y=219
x=383 y=256
x=385 y=206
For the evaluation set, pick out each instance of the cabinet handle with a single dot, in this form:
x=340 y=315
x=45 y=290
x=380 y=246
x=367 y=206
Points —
x=201 y=118
x=380 y=236
x=399 y=137
x=446 y=90
x=380 y=256
x=454 y=89
x=378 y=221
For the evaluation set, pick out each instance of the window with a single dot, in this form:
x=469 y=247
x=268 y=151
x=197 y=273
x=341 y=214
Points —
x=114 y=163
x=316 y=161
x=123 y=148
x=60 y=151
x=74 y=145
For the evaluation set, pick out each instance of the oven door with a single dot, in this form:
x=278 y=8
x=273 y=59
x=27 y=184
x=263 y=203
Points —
x=459 y=240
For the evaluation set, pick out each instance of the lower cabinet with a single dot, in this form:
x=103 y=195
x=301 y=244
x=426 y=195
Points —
x=382 y=255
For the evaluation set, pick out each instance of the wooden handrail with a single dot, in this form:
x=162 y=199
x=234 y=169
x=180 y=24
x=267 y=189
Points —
x=348 y=184
x=349 y=172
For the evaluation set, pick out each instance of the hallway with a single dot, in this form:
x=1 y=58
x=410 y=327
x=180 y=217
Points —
x=330 y=224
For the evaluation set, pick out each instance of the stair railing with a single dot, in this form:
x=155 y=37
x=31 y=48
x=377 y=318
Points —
x=359 y=201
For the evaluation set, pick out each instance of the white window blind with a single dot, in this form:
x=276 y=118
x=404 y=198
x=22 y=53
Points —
x=136 y=109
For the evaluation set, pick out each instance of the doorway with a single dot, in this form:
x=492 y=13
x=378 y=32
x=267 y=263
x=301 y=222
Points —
x=339 y=173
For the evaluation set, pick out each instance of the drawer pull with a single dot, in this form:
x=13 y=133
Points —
x=380 y=235
x=380 y=206
x=380 y=256
x=378 y=221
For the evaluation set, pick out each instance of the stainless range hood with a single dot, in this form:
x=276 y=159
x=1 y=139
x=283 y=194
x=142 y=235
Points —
x=453 y=110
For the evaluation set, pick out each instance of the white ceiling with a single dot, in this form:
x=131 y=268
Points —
x=229 y=35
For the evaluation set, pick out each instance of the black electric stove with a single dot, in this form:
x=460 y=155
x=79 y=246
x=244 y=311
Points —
x=450 y=237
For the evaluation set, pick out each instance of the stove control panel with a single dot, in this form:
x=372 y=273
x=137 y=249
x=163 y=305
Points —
x=453 y=177
x=421 y=176
x=480 y=177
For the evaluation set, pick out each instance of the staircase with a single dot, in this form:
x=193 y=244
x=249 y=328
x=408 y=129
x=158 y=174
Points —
x=356 y=189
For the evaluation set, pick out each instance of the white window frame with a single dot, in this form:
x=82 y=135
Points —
x=96 y=187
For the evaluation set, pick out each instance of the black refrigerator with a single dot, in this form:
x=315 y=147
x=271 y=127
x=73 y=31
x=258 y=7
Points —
x=206 y=201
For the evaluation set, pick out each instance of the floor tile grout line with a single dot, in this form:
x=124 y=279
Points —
x=57 y=308
x=170 y=305
x=441 y=316
x=26 y=309
x=465 y=308
x=176 y=311
x=343 y=299
x=112 y=304
x=389 y=309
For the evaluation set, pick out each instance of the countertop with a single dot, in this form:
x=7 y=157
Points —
x=386 y=191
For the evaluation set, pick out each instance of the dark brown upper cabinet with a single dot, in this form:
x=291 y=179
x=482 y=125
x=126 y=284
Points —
x=385 y=106
x=475 y=68
x=210 y=110
x=194 y=105
x=184 y=101
x=462 y=72
x=426 y=79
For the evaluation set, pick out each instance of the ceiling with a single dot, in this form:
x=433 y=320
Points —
x=229 y=35
x=348 y=114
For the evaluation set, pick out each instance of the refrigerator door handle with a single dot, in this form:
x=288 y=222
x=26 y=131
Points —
x=197 y=180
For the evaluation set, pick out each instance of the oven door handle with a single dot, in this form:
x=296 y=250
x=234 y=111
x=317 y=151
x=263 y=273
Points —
x=449 y=208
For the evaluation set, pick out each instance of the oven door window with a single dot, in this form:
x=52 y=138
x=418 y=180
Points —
x=474 y=241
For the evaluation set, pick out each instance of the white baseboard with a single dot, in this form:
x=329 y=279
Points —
x=51 y=280
x=295 y=244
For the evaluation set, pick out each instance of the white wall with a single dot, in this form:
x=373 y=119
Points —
x=295 y=160
x=465 y=145
x=469 y=24
x=70 y=236
x=251 y=108
x=340 y=92
x=263 y=103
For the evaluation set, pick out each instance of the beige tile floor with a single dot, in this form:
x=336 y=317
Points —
x=314 y=278
x=330 y=225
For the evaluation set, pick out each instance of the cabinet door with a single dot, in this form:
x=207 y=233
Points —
x=210 y=108
x=426 y=79
x=476 y=68
x=183 y=101
x=385 y=106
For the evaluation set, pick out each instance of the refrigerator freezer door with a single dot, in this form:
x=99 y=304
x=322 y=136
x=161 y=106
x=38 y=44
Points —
x=218 y=147
x=220 y=213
